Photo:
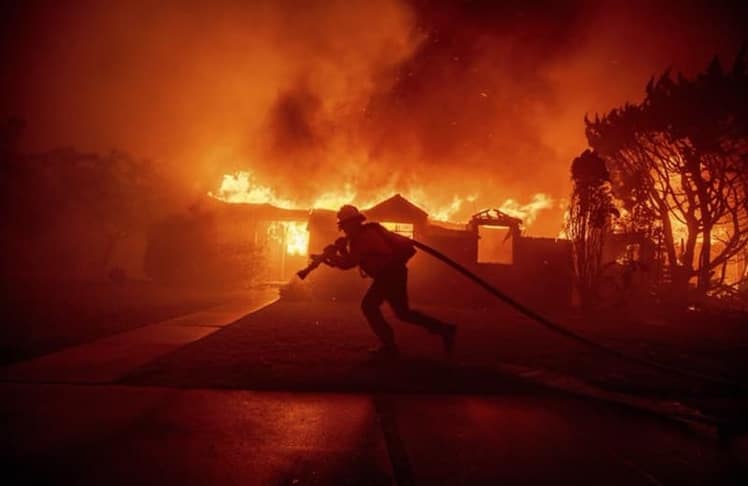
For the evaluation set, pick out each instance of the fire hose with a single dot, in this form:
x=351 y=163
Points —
x=544 y=321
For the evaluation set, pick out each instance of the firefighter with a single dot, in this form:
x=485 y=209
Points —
x=382 y=255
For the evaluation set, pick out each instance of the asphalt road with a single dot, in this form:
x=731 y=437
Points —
x=83 y=416
x=70 y=434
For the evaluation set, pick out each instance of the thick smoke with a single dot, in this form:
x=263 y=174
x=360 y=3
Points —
x=439 y=98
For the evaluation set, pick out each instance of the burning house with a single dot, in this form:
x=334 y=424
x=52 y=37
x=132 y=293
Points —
x=216 y=243
x=269 y=244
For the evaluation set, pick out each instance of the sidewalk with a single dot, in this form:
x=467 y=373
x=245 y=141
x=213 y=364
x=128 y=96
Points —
x=106 y=360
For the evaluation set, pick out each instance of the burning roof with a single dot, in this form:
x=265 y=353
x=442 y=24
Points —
x=397 y=208
x=495 y=217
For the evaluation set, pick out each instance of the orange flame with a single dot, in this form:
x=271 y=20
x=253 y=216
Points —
x=243 y=187
x=292 y=234
x=527 y=212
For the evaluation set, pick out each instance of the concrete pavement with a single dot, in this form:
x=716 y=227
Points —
x=105 y=360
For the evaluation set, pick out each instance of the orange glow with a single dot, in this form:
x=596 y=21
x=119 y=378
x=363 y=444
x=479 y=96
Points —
x=680 y=230
x=404 y=229
x=370 y=94
x=294 y=235
x=673 y=198
x=297 y=238
x=495 y=245
x=243 y=187
x=527 y=212
x=446 y=213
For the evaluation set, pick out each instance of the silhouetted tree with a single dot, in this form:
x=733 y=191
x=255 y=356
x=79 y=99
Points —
x=64 y=211
x=678 y=162
x=590 y=213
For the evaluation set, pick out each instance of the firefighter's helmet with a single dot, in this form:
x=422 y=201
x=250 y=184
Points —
x=349 y=213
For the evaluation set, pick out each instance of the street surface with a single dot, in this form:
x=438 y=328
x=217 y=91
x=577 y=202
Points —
x=169 y=403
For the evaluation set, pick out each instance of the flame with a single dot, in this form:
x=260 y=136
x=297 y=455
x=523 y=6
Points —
x=679 y=229
x=404 y=229
x=527 y=212
x=443 y=213
x=335 y=199
x=297 y=237
x=243 y=187
x=293 y=234
x=674 y=180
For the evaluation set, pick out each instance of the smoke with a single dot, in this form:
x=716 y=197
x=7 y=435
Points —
x=453 y=100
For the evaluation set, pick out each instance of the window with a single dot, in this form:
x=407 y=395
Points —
x=494 y=245
x=405 y=229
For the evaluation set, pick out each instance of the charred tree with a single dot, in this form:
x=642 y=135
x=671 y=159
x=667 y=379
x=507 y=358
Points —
x=678 y=161
x=590 y=214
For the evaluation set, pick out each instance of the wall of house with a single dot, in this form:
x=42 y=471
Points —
x=541 y=271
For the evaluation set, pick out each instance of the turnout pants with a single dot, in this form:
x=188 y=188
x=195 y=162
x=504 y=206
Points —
x=392 y=286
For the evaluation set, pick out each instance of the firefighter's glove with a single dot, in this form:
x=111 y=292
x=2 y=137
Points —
x=341 y=244
x=328 y=255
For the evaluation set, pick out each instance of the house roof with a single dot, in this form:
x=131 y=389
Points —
x=261 y=212
x=397 y=209
x=495 y=217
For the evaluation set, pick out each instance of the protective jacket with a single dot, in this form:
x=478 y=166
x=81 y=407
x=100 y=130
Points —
x=375 y=250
